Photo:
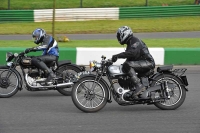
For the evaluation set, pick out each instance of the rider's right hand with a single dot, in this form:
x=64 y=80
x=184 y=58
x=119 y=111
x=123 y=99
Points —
x=114 y=58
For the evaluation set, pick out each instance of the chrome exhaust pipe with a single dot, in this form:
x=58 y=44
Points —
x=50 y=86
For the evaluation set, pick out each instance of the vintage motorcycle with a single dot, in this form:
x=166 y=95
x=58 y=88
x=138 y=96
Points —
x=166 y=88
x=11 y=80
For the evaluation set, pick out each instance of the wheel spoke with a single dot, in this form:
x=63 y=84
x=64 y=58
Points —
x=12 y=85
x=90 y=99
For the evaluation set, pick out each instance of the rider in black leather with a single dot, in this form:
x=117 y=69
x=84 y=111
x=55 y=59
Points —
x=50 y=50
x=138 y=59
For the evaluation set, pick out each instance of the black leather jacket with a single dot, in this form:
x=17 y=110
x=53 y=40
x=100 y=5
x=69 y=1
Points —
x=136 y=50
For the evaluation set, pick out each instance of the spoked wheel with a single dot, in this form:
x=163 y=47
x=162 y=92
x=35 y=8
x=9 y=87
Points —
x=71 y=71
x=177 y=92
x=89 y=95
x=8 y=84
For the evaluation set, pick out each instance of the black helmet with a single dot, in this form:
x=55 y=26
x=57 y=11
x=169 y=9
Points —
x=38 y=35
x=123 y=34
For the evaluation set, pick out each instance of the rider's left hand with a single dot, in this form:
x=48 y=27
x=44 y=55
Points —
x=28 y=50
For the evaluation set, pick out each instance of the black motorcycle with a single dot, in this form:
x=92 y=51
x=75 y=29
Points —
x=166 y=88
x=11 y=80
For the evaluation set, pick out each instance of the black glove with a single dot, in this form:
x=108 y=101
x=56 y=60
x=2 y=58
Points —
x=29 y=50
x=114 y=58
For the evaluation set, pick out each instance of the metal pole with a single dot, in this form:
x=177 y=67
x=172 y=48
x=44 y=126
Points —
x=81 y=3
x=146 y=2
x=8 y=4
x=53 y=21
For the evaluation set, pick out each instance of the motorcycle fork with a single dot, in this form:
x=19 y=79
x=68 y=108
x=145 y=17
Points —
x=10 y=71
x=97 y=78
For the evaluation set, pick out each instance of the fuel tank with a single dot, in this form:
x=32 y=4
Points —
x=115 y=70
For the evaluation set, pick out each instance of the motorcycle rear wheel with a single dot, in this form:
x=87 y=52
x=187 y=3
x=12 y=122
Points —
x=87 y=100
x=8 y=85
x=68 y=69
x=177 y=94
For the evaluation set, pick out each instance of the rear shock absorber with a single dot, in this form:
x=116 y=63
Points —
x=167 y=89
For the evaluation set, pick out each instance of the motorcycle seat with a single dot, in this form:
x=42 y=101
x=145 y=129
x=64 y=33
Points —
x=51 y=64
x=165 y=68
x=146 y=74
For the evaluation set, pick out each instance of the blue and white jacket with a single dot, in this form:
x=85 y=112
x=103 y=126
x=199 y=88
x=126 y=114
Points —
x=49 y=46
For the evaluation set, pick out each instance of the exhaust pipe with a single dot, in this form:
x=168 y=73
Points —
x=51 y=86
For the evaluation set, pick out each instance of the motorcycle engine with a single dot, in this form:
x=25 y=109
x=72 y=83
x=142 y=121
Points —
x=33 y=73
x=124 y=82
x=125 y=86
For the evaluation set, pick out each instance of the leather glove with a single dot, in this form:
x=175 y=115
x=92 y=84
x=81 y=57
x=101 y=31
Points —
x=28 y=50
x=114 y=58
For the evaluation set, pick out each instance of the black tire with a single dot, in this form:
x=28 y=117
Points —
x=92 y=102
x=8 y=86
x=177 y=94
x=69 y=69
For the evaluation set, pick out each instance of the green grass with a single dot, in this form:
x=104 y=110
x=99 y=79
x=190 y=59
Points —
x=173 y=24
x=166 y=43
x=47 y=4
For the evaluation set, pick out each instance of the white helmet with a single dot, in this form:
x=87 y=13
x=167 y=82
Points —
x=123 y=34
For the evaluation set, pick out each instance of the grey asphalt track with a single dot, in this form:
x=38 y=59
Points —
x=195 y=34
x=51 y=112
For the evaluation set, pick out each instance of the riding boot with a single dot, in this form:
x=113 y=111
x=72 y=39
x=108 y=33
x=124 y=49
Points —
x=138 y=85
x=50 y=77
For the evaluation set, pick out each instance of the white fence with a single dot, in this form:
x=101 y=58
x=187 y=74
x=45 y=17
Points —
x=77 y=14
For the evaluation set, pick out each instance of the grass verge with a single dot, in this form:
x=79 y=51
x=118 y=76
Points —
x=166 y=43
x=47 y=4
x=173 y=24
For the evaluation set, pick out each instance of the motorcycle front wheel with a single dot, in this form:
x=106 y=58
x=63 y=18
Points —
x=8 y=84
x=177 y=93
x=70 y=70
x=89 y=95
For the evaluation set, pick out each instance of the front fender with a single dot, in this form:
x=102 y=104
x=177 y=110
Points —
x=88 y=74
x=18 y=76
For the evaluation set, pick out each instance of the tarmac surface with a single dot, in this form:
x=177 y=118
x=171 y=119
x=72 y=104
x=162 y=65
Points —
x=194 y=34
x=51 y=112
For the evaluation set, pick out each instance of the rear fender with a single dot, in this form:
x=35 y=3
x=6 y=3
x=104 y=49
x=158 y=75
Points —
x=183 y=79
x=81 y=68
x=4 y=67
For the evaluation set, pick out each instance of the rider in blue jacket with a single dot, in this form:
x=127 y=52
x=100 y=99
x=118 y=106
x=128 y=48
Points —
x=50 y=50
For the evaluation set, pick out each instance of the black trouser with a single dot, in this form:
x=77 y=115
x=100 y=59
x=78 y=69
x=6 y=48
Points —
x=131 y=67
x=139 y=66
x=41 y=61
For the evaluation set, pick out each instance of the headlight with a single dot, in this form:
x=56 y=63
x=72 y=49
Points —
x=9 y=56
x=9 y=64
x=92 y=64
